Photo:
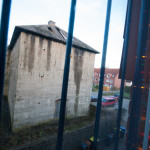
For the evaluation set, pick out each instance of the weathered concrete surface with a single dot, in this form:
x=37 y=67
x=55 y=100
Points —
x=7 y=71
x=36 y=80
x=13 y=78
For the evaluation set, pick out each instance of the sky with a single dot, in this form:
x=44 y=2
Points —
x=89 y=22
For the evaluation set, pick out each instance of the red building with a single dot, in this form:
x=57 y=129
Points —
x=111 y=77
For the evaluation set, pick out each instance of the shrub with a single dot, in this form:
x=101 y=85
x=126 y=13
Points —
x=96 y=86
x=114 y=88
x=127 y=89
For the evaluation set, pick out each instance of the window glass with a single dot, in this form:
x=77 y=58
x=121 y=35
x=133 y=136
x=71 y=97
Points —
x=111 y=81
x=111 y=100
x=108 y=75
x=104 y=100
x=107 y=80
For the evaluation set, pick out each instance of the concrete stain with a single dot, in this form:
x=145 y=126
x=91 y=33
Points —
x=40 y=46
x=31 y=54
x=25 y=52
x=42 y=76
x=48 y=55
x=9 y=56
x=78 y=69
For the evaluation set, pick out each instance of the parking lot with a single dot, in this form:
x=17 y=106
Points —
x=125 y=106
x=125 y=103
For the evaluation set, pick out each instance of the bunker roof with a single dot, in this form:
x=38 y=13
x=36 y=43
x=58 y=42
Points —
x=51 y=32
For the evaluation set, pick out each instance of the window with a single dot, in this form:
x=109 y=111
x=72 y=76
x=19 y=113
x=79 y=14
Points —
x=111 y=100
x=97 y=74
x=108 y=75
x=104 y=100
x=111 y=81
x=107 y=80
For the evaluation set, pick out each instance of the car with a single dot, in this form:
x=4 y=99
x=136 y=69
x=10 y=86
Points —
x=109 y=101
x=117 y=95
x=94 y=98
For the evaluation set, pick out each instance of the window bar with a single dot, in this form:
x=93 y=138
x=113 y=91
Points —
x=98 y=109
x=123 y=72
x=147 y=124
x=66 y=76
x=136 y=94
x=4 y=23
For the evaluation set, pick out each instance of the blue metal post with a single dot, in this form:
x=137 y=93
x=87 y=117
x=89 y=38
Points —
x=136 y=94
x=4 y=22
x=65 y=77
x=98 y=109
x=123 y=71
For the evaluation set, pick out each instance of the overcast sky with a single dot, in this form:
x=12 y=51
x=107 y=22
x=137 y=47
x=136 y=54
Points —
x=89 y=22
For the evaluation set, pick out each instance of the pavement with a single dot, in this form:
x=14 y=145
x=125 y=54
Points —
x=125 y=103
x=121 y=146
x=125 y=107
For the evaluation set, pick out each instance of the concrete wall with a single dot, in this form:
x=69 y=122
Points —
x=39 y=81
x=7 y=72
x=13 y=76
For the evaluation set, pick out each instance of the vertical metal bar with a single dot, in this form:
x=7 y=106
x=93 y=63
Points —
x=98 y=109
x=136 y=95
x=123 y=72
x=4 y=23
x=147 y=124
x=66 y=76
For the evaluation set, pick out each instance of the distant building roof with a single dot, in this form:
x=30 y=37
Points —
x=50 y=31
x=107 y=71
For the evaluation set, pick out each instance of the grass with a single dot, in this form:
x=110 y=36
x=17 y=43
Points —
x=127 y=94
x=94 y=89
x=33 y=133
x=108 y=94
x=49 y=128
x=39 y=131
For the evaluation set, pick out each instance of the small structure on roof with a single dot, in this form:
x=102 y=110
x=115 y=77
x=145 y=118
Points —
x=36 y=73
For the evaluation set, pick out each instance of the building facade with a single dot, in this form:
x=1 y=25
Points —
x=110 y=78
x=36 y=73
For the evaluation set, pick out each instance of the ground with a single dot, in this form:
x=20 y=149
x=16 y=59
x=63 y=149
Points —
x=43 y=130
x=124 y=106
x=123 y=122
